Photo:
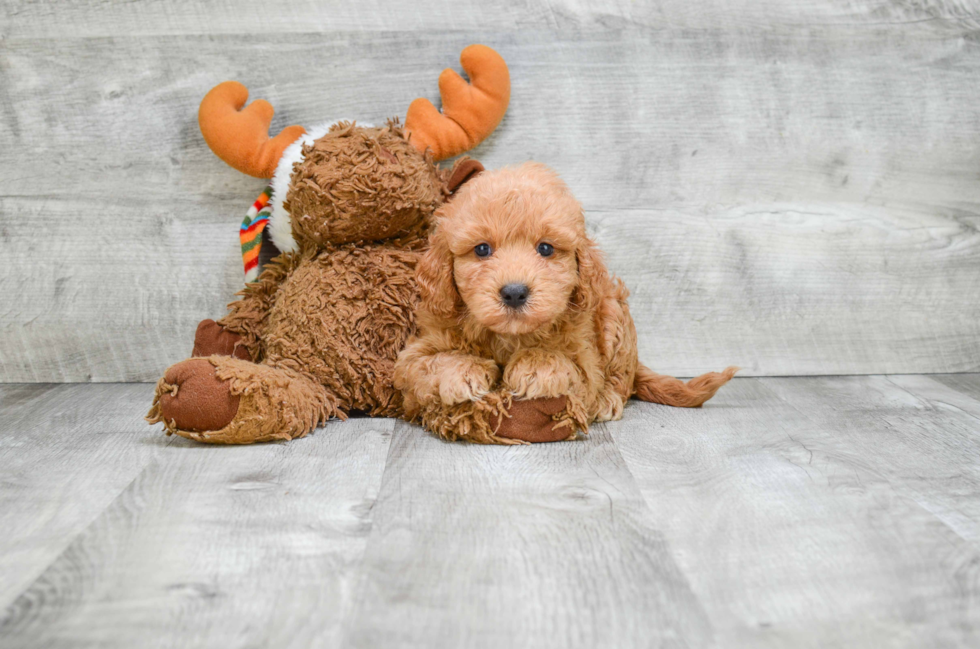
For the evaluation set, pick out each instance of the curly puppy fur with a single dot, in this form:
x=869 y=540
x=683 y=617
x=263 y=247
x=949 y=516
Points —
x=573 y=336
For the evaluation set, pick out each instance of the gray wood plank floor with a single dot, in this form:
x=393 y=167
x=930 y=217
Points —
x=800 y=512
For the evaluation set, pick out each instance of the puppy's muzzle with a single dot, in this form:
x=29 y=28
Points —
x=514 y=296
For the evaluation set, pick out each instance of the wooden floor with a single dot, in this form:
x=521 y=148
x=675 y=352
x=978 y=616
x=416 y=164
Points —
x=789 y=512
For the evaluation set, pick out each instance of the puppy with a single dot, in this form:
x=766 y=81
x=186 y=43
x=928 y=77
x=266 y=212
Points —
x=517 y=308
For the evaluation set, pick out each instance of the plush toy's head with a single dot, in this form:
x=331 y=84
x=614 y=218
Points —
x=358 y=183
x=345 y=182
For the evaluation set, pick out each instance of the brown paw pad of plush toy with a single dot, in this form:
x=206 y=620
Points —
x=533 y=421
x=226 y=400
x=194 y=399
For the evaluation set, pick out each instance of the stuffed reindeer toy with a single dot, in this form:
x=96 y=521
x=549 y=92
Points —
x=317 y=334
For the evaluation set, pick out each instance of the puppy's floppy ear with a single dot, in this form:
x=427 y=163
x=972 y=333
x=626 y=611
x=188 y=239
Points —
x=465 y=170
x=593 y=278
x=435 y=277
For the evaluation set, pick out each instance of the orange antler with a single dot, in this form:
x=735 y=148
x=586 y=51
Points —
x=241 y=137
x=470 y=111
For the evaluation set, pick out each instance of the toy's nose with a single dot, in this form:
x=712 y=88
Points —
x=514 y=295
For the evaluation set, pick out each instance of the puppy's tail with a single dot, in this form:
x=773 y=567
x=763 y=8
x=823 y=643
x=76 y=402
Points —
x=658 y=388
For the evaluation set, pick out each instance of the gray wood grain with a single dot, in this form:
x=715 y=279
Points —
x=91 y=18
x=963 y=383
x=65 y=453
x=122 y=301
x=892 y=435
x=203 y=546
x=802 y=512
x=830 y=512
x=543 y=546
x=800 y=290
x=793 y=191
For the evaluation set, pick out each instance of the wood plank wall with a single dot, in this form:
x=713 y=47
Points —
x=792 y=187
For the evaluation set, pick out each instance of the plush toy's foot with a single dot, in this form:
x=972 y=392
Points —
x=213 y=339
x=225 y=400
x=534 y=420
x=498 y=419
x=192 y=398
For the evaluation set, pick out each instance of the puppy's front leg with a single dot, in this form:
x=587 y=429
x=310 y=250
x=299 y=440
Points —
x=536 y=373
x=450 y=377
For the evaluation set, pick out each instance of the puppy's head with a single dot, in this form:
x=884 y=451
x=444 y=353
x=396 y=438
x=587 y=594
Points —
x=511 y=253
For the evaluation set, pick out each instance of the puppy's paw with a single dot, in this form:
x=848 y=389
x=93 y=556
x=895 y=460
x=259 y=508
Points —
x=609 y=406
x=538 y=373
x=468 y=378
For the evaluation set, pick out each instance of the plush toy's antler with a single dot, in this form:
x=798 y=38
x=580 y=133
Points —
x=241 y=137
x=470 y=111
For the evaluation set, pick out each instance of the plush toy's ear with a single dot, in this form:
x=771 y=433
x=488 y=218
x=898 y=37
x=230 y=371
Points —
x=470 y=111
x=465 y=170
x=240 y=136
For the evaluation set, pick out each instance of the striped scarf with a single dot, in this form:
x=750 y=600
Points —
x=254 y=224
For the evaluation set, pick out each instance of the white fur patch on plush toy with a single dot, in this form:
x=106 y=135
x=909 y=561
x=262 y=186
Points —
x=280 y=223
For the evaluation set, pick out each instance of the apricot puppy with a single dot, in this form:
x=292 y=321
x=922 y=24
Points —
x=517 y=304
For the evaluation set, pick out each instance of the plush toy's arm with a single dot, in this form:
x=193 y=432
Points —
x=248 y=316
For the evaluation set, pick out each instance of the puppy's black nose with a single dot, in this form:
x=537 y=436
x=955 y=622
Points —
x=514 y=295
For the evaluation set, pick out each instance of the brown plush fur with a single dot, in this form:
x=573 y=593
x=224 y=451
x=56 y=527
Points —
x=325 y=323
x=270 y=403
x=340 y=316
x=574 y=337
x=362 y=184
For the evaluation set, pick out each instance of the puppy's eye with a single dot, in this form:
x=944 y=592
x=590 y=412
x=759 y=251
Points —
x=483 y=250
x=545 y=249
